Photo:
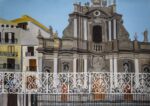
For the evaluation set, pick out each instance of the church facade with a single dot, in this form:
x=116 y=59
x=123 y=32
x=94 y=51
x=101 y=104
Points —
x=94 y=60
x=95 y=41
x=97 y=44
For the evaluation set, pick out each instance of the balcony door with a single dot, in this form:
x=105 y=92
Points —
x=97 y=34
x=13 y=38
x=32 y=65
x=6 y=37
x=31 y=51
x=0 y=37
x=10 y=63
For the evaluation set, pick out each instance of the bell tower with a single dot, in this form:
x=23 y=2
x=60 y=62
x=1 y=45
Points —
x=96 y=2
x=101 y=3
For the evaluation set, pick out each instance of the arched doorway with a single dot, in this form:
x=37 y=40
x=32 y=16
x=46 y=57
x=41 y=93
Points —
x=97 y=34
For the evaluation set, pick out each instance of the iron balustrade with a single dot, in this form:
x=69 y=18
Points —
x=70 y=83
x=8 y=67
x=9 y=54
x=31 y=68
x=30 y=54
x=9 y=41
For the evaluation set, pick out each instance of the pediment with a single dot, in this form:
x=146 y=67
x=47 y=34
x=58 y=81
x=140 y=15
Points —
x=98 y=13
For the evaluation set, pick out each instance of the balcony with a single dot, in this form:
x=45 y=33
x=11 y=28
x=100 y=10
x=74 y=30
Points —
x=93 y=89
x=6 y=66
x=97 y=47
x=31 y=68
x=28 y=54
x=79 y=83
x=8 y=41
x=9 y=54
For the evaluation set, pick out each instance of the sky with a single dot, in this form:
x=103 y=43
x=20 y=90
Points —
x=136 y=13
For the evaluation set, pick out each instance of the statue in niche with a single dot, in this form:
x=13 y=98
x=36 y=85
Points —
x=146 y=69
x=126 y=67
x=47 y=69
x=65 y=67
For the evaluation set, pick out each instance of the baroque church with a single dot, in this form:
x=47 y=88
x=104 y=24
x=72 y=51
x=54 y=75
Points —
x=95 y=59
x=94 y=41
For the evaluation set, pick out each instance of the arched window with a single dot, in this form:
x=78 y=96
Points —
x=97 y=34
x=146 y=68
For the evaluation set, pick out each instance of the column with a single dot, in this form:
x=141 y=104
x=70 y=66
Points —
x=74 y=70
x=114 y=22
x=115 y=71
x=109 y=29
x=18 y=100
x=29 y=99
x=85 y=29
x=24 y=104
x=136 y=62
x=85 y=71
x=75 y=28
x=40 y=65
x=4 y=99
x=111 y=74
x=55 y=76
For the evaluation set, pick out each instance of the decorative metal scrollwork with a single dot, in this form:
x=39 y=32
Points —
x=74 y=83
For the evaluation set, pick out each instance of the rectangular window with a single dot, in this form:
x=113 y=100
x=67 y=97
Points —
x=31 y=51
x=0 y=37
x=11 y=63
x=13 y=37
x=6 y=37
x=23 y=25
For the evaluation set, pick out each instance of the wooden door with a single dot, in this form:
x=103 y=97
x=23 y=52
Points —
x=128 y=96
x=32 y=64
x=12 y=100
x=98 y=90
x=64 y=96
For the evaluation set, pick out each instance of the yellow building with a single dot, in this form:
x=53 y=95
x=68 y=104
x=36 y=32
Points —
x=10 y=49
x=18 y=50
x=18 y=44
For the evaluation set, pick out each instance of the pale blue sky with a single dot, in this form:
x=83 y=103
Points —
x=136 y=13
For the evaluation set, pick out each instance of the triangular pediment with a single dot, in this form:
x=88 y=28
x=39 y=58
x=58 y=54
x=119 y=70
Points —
x=98 y=13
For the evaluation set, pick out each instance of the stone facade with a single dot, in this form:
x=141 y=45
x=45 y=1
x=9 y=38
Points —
x=95 y=41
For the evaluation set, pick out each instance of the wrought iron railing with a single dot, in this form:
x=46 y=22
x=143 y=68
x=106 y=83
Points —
x=31 y=68
x=9 y=54
x=9 y=41
x=9 y=66
x=70 y=83
x=30 y=54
